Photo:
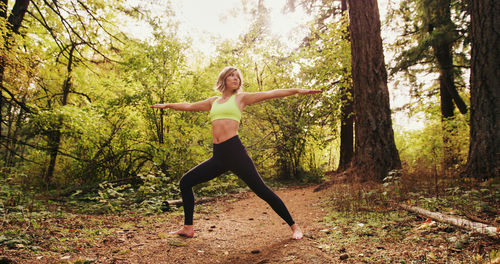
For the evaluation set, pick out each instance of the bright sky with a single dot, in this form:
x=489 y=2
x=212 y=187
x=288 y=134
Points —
x=224 y=19
x=208 y=21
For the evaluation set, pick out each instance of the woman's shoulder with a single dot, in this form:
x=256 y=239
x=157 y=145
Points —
x=242 y=94
x=239 y=96
x=211 y=100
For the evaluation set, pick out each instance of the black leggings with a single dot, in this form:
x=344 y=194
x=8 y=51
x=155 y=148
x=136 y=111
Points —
x=229 y=155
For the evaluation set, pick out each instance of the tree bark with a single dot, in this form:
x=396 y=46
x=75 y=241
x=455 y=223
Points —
x=346 y=117
x=17 y=15
x=376 y=152
x=483 y=161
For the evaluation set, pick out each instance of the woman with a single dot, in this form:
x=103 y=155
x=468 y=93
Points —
x=229 y=154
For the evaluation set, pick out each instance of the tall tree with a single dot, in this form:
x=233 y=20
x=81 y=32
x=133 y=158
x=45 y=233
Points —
x=483 y=161
x=376 y=152
x=440 y=28
x=54 y=135
x=434 y=42
x=13 y=22
x=346 y=114
x=158 y=67
x=328 y=13
x=79 y=33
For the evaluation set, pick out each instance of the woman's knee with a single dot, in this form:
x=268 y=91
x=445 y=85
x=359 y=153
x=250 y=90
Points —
x=185 y=182
x=264 y=192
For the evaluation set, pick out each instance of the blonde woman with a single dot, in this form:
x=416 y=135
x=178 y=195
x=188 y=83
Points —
x=229 y=154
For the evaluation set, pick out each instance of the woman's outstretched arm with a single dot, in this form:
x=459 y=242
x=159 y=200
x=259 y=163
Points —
x=204 y=105
x=252 y=98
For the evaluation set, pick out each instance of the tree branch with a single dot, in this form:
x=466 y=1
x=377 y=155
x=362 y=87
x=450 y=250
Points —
x=454 y=220
x=21 y=104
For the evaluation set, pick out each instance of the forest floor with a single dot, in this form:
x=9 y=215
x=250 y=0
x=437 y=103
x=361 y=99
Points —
x=241 y=228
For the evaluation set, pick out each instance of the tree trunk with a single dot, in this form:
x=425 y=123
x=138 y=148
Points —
x=17 y=15
x=161 y=139
x=442 y=32
x=15 y=19
x=3 y=15
x=441 y=29
x=376 y=152
x=12 y=137
x=483 y=161
x=346 y=118
x=448 y=90
x=3 y=8
x=55 y=136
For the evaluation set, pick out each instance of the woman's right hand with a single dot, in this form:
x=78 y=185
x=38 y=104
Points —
x=309 y=91
x=161 y=106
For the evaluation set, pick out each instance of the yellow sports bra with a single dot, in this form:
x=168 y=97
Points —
x=226 y=110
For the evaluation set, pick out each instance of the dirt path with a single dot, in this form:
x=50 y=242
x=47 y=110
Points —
x=240 y=230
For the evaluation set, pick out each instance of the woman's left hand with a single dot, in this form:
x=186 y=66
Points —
x=309 y=91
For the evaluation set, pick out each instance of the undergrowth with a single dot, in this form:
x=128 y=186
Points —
x=366 y=216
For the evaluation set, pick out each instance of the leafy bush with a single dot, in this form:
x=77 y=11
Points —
x=147 y=197
x=221 y=185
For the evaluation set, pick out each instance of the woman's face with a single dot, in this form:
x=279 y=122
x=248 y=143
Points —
x=233 y=81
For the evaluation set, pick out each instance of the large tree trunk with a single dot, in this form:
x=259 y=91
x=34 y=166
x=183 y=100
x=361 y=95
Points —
x=483 y=161
x=376 y=152
x=346 y=118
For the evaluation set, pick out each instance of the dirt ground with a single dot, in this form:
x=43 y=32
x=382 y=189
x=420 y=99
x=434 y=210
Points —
x=238 y=228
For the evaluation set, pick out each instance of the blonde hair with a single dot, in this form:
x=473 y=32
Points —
x=221 y=81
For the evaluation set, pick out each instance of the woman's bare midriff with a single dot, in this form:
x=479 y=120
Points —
x=224 y=129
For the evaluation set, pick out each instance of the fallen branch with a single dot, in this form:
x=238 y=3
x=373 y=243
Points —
x=477 y=219
x=167 y=205
x=454 y=220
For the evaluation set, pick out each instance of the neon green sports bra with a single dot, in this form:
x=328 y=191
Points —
x=226 y=110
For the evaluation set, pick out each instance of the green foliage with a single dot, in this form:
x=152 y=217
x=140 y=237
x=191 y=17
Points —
x=221 y=186
x=109 y=133
x=93 y=111
x=422 y=26
x=325 y=63
x=149 y=196
x=19 y=208
x=422 y=149
x=10 y=194
x=367 y=227
x=465 y=199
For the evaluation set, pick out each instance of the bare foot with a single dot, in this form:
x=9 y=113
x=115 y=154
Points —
x=185 y=231
x=297 y=232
